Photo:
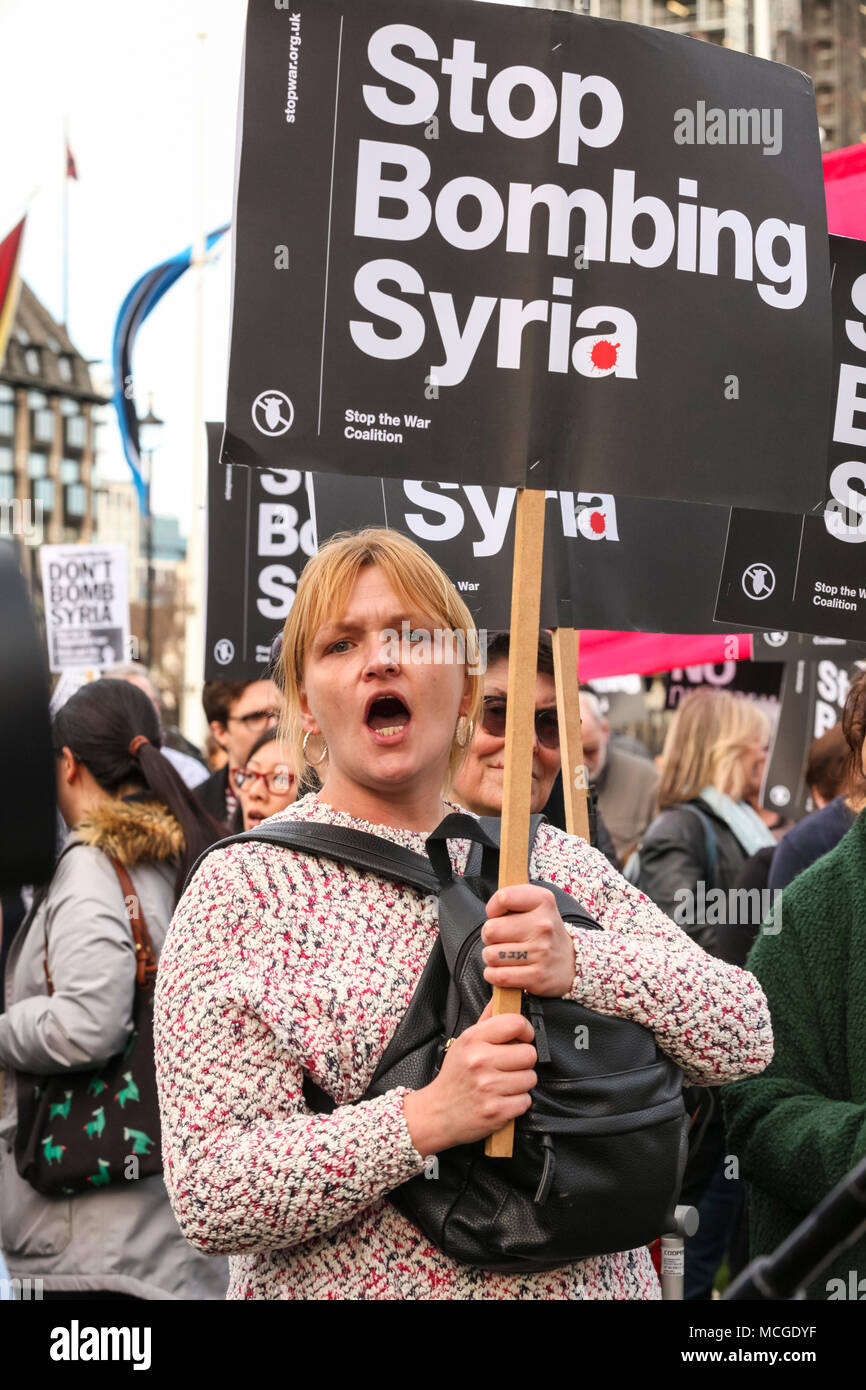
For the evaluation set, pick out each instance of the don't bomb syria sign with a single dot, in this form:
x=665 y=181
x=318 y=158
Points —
x=480 y=243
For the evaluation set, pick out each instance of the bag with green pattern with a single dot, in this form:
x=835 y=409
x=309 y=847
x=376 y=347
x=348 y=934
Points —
x=82 y=1130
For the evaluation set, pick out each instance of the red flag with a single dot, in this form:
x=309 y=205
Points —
x=71 y=171
x=10 y=256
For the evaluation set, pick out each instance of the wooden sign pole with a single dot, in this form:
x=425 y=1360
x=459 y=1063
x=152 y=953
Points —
x=575 y=791
x=519 y=726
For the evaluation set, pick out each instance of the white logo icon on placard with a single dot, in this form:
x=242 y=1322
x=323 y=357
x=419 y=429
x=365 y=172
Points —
x=775 y=639
x=224 y=650
x=273 y=413
x=780 y=796
x=758 y=581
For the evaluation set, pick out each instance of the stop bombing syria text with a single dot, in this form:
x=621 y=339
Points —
x=391 y=204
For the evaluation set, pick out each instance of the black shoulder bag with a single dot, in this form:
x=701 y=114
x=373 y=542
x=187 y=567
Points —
x=79 y=1131
x=599 y=1157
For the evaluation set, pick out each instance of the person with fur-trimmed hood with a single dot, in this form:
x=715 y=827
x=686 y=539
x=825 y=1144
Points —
x=122 y=800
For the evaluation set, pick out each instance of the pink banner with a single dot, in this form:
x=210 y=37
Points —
x=845 y=185
x=643 y=653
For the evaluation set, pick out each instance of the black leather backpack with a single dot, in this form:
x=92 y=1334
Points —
x=598 y=1158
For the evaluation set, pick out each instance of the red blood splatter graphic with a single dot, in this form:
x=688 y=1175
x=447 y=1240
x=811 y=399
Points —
x=596 y=521
x=603 y=354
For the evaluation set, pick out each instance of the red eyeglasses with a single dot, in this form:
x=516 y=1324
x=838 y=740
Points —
x=493 y=721
x=279 y=780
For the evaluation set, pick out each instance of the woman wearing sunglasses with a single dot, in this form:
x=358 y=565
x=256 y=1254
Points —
x=281 y=964
x=266 y=783
x=479 y=782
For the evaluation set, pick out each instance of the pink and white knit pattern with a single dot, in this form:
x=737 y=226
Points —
x=278 y=963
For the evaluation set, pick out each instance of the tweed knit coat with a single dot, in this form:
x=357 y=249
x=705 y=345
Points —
x=801 y=1126
x=278 y=963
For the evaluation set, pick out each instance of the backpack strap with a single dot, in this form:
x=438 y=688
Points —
x=485 y=833
x=373 y=854
x=463 y=897
x=367 y=852
x=484 y=868
x=710 y=841
x=459 y=826
x=490 y=861
x=631 y=868
x=461 y=910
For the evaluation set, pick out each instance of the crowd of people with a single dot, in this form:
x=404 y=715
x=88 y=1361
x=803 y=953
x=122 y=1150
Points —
x=279 y=967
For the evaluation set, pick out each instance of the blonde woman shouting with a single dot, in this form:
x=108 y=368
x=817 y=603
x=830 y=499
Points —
x=282 y=965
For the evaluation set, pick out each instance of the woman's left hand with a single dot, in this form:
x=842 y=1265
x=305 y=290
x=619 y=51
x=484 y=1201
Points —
x=527 y=945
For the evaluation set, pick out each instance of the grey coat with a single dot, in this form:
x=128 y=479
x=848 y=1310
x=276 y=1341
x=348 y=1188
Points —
x=123 y=1239
x=627 y=788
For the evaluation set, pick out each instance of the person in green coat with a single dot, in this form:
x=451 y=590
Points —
x=800 y=1126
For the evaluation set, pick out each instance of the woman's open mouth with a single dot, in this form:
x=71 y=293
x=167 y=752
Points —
x=387 y=718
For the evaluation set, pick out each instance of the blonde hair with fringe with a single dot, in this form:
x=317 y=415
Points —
x=705 y=743
x=326 y=582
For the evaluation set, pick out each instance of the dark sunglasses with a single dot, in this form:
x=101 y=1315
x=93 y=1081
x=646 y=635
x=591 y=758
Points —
x=493 y=721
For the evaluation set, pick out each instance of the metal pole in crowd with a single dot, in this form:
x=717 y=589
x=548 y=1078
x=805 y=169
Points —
x=673 y=1253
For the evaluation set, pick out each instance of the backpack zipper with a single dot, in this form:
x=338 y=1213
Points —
x=547 y=1171
x=536 y=1016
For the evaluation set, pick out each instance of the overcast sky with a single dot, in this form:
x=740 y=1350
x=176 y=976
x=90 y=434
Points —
x=125 y=77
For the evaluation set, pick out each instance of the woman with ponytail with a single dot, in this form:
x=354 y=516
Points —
x=69 y=994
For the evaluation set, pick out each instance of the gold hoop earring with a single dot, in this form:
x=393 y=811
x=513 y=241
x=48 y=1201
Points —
x=307 y=736
x=464 y=731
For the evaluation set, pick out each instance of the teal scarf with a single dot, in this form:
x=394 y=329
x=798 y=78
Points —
x=744 y=823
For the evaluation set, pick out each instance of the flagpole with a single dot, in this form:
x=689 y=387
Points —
x=192 y=714
x=65 y=229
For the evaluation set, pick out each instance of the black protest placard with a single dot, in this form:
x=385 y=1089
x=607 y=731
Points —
x=808 y=574
x=792 y=572
x=468 y=531
x=659 y=574
x=813 y=697
x=259 y=536
x=753 y=678
x=789 y=646
x=524 y=247
x=622 y=563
